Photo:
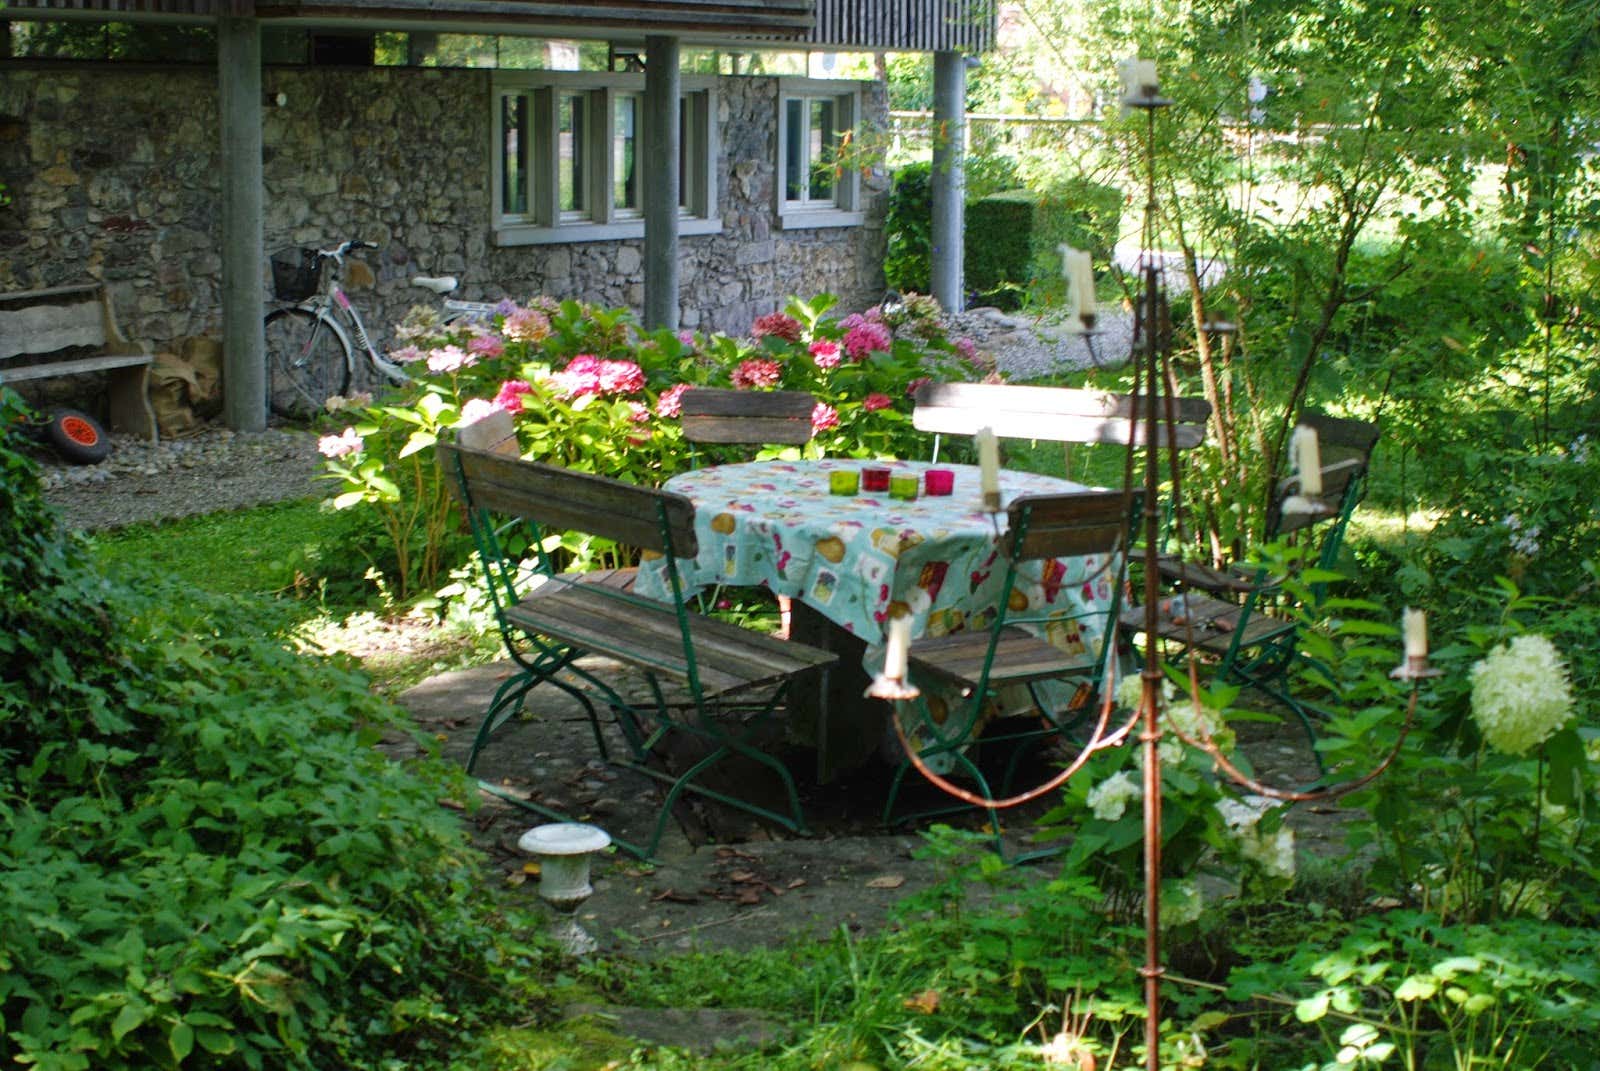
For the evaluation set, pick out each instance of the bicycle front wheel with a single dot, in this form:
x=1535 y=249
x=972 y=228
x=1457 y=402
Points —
x=307 y=363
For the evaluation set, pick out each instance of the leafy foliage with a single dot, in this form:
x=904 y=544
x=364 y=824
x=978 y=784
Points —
x=201 y=841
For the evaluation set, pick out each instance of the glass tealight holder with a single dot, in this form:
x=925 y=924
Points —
x=904 y=487
x=940 y=481
x=875 y=479
x=843 y=482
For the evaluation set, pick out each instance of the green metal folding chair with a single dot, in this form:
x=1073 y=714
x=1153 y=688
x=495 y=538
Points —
x=1063 y=680
x=1236 y=616
x=551 y=619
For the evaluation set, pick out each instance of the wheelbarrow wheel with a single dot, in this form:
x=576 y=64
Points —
x=77 y=436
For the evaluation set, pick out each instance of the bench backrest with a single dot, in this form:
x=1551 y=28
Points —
x=1055 y=414
x=1065 y=526
x=34 y=322
x=562 y=500
x=711 y=415
x=1340 y=438
x=1341 y=489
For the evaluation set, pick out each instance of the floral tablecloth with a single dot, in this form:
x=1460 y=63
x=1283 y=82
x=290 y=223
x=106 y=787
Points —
x=855 y=559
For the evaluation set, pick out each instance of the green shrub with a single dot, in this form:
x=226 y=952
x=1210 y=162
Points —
x=207 y=862
x=907 y=264
x=1013 y=237
x=1000 y=259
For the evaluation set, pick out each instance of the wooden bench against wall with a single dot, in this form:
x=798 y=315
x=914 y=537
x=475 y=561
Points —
x=72 y=330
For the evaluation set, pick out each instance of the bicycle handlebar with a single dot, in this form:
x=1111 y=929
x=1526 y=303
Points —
x=337 y=253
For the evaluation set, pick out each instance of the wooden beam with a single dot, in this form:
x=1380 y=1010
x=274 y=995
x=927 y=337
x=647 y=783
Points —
x=244 y=380
x=662 y=92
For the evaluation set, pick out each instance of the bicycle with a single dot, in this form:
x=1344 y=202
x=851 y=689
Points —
x=309 y=352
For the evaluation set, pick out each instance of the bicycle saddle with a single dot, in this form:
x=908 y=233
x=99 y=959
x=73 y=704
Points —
x=440 y=284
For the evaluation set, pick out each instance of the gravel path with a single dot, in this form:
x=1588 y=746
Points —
x=218 y=469
x=205 y=473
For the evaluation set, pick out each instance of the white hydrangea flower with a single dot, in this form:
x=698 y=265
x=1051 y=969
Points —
x=1274 y=854
x=1129 y=691
x=1109 y=799
x=1242 y=815
x=1521 y=694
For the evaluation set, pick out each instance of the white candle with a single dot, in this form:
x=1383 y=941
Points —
x=1138 y=78
x=1415 y=626
x=1083 y=282
x=989 y=467
x=1073 y=273
x=1308 y=460
x=898 y=638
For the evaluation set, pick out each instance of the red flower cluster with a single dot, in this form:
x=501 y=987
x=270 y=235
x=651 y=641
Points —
x=823 y=417
x=876 y=401
x=866 y=337
x=670 y=404
x=510 y=395
x=587 y=374
x=757 y=372
x=779 y=325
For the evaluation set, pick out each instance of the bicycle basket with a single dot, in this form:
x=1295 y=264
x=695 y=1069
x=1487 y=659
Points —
x=294 y=274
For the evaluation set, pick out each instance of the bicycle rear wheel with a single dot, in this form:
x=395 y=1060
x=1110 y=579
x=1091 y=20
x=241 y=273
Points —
x=307 y=363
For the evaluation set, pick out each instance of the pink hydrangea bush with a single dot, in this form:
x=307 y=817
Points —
x=589 y=389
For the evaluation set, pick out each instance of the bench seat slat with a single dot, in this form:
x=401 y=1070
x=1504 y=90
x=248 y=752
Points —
x=11 y=374
x=645 y=633
x=1212 y=622
x=1019 y=656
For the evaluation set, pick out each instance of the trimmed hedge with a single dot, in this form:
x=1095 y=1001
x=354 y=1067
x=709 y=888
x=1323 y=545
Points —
x=1012 y=237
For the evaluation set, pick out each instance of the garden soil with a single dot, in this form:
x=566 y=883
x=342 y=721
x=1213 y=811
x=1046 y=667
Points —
x=721 y=879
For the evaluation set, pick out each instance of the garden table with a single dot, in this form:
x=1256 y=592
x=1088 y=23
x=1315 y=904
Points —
x=851 y=561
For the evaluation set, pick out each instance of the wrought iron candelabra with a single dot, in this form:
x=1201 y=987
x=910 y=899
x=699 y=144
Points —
x=1155 y=411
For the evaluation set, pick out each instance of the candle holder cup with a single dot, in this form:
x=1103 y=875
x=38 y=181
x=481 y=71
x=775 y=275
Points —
x=903 y=487
x=844 y=482
x=940 y=482
x=875 y=479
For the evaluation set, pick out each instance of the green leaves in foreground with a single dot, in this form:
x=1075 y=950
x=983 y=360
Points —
x=207 y=863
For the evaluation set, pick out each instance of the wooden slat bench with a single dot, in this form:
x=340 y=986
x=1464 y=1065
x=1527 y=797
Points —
x=72 y=330
x=746 y=417
x=557 y=618
x=1053 y=414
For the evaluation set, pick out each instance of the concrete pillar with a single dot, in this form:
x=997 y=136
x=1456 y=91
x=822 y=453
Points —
x=949 y=180
x=244 y=383
x=662 y=88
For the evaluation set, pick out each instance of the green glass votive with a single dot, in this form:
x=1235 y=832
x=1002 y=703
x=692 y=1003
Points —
x=903 y=487
x=844 y=481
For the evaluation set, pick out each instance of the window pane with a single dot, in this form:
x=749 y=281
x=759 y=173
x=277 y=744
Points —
x=571 y=131
x=687 y=151
x=794 y=150
x=624 y=153
x=514 y=155
x=823 y=142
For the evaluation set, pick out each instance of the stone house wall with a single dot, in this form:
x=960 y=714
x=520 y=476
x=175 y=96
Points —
x=112 y=174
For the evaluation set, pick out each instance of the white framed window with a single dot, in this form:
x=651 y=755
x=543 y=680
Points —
x=818 y=185
x=571 y=156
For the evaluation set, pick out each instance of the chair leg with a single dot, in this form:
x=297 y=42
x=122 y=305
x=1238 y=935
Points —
x=703 y=726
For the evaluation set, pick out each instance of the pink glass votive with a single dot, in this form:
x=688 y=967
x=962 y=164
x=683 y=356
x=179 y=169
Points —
x=875 y=479
x=940 y=481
